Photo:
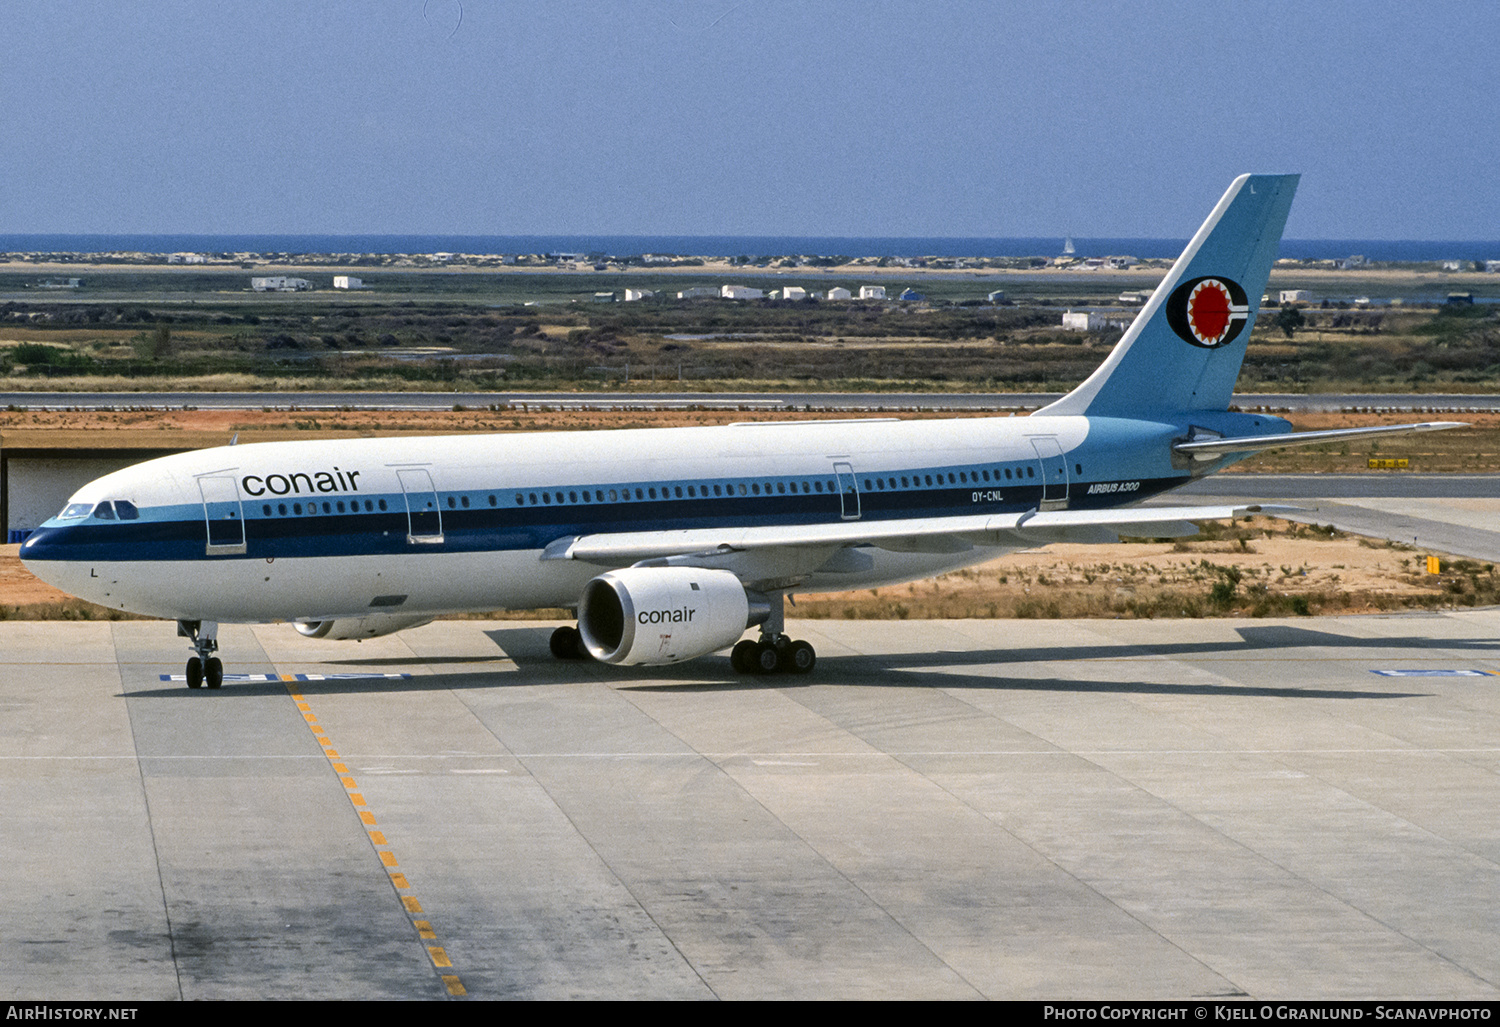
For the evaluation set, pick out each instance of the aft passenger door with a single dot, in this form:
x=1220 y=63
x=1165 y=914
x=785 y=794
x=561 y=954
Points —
x=223 y=515
x=848 y=491
x=1054 y=468
x=424 y=520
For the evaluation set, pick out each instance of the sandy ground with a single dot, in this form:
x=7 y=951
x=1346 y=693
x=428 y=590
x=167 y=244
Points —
x=1159 y=579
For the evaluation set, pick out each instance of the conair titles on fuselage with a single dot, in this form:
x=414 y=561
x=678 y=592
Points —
x=299 y=483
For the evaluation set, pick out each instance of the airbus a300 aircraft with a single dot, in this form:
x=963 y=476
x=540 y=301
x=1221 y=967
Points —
x=672 y=543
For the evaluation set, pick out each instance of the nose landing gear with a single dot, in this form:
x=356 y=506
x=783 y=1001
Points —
x=204 y=668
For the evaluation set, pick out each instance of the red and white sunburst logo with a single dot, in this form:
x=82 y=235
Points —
x=1208 y=312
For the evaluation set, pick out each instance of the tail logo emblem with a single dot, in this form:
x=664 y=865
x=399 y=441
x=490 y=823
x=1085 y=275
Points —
x=1208 y=312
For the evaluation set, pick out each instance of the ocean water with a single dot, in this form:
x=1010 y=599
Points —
x=726 y=246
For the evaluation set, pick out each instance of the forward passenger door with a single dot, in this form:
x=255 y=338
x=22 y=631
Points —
x=424 y=519
x=223 y=515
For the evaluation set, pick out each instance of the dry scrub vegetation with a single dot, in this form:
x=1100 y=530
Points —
x=1256 y=568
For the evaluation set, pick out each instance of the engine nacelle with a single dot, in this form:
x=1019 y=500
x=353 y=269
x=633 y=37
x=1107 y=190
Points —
x=659 y=615
x=370 y=626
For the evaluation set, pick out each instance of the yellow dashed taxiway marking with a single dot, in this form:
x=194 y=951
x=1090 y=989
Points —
x=425 y=932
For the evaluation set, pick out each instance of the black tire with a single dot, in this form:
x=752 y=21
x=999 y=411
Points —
x=213 y=672
x=567 y=644
x=194 y=672
x=742 y=657
x=767 y=659
x=801 y=658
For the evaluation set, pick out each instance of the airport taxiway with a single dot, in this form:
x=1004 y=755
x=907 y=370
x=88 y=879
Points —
x=1023 y=809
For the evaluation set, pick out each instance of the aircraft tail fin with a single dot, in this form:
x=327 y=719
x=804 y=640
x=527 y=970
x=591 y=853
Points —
x=1183 y=351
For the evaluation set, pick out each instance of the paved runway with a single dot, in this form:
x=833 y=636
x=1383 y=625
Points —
x=1457 y=514
x=1038 y=809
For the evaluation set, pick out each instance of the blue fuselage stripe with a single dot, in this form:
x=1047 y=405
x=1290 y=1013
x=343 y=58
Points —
x=178 y=533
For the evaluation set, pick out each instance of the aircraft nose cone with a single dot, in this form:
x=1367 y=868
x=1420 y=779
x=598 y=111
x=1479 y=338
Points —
x=36 y=545
x=45 y=548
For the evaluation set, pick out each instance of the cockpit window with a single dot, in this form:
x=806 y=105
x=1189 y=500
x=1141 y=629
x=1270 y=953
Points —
x=126 y=511
x=104 y=512
x=73 y=511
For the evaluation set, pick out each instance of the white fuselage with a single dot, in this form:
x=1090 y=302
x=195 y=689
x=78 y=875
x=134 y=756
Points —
x=315 y=530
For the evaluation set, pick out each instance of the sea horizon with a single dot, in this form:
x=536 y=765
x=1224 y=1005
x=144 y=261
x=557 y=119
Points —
x=1384 y=250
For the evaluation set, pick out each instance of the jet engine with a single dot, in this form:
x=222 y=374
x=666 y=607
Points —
x=370 y=626
x=658 y=615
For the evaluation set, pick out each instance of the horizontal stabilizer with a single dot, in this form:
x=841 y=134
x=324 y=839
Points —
x=1208 y=449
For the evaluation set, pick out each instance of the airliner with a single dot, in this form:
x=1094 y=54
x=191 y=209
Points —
x=672 y=543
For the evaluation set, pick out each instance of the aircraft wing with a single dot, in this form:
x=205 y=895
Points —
x=925 y=535
x=1213 y=447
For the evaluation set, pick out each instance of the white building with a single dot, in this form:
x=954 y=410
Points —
x=280 y=283
x=347 y=282
x=698 y=292
x=740 y=292
x=838 y=292
x=872 y=292
x=794 y=292
x=1093 y=320
x=632 y=295
x=1295 y=296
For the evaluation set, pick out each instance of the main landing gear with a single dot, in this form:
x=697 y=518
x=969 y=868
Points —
x=205 y=668
x=773 y=652
x=779 y=655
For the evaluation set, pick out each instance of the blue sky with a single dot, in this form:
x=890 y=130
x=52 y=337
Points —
x=724 y=117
